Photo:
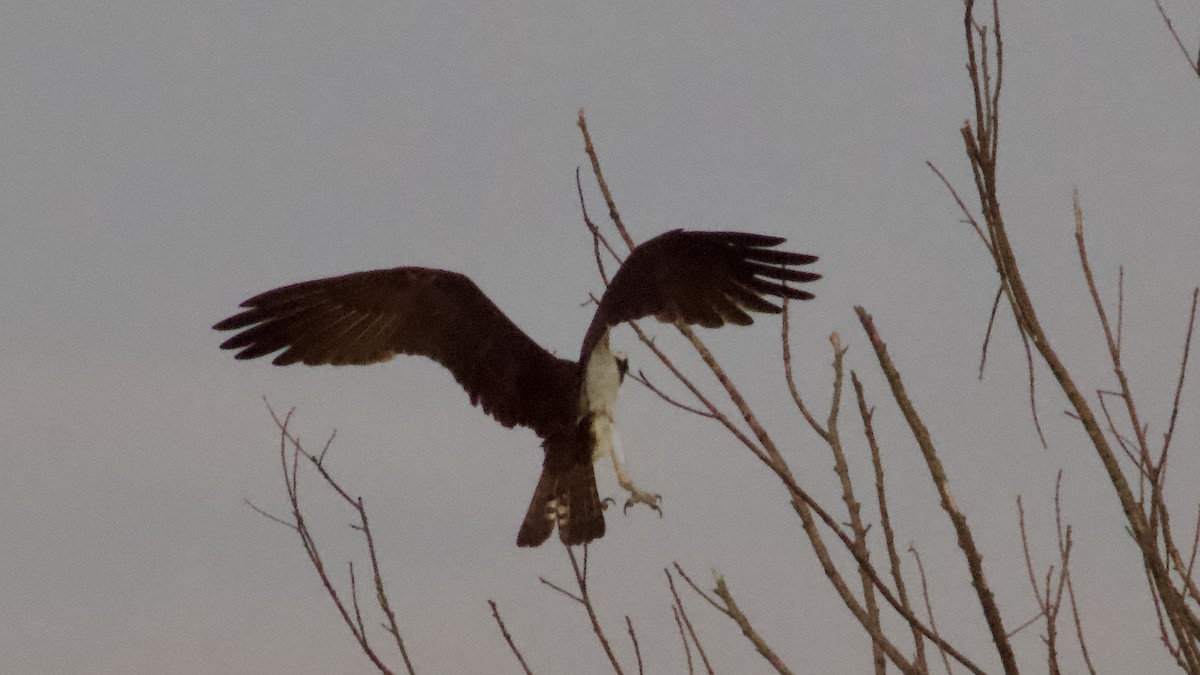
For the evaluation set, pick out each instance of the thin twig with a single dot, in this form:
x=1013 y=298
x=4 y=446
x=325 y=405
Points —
x=1187 y=346
x=508 y=638
x=699 y=395
x=739 y=617
x=640 y=378
x=789 y=375
x=352 y=615
x=697 y=589
x=987 y=336
x=1183 y=620
x=853 y=509
x=929 y=606
x=1187 y=575
x=1193 y=63
x=682 y=613
x=966 y=541
x=687 y=648
x=1028 y=558
x=1028 y=622
x=637 y=650
x=1064 y=551
x=584 y=599
x=1124 y=443
x=885 y=520
x=1037 y=424
x=967 y=216
x=1120 y=305
x=1114 y=350
x=598 y=237
x=590 y=149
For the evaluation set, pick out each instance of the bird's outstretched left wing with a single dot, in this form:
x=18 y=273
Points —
x=705 y=278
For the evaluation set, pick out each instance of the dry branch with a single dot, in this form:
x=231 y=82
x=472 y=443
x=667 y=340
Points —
x=298 y=524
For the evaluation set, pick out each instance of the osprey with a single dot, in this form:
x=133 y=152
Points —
x=688 y=277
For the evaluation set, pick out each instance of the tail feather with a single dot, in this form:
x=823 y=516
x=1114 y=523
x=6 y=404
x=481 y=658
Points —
x=569 y=500
x=539 y=521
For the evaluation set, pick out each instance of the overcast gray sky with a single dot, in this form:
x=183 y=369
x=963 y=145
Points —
x=161 y=162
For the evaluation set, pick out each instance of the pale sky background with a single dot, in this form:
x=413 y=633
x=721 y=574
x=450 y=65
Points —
x=162 y=162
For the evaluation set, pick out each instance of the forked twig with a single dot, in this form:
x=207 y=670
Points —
x=681 y=613
x=687 y=647
x=352 y=615
x=729 y=608
x=641 y=378
x=590 y=149
x=1064 y=552
x=585 y=599
x=885 y=519
x=966 y=540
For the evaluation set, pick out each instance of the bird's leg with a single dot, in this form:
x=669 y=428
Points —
x=636 y=496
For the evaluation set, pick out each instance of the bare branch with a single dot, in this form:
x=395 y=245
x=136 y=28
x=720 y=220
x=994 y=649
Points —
x=637 y=650
x=1187 y=346
x=967 y=216
x=1120 y=305
x=598 y=237
x=842 y=468
x=687 y=648
x=640 y=378
x=682 y=613
x=1028 y=559
x=987 y=336
x=929 y=606
x=1193 y=63
x=789 y=376
x=1064 y=551
x=1032 y=390
x=584 y=598
x=885 y=520
x=1028 y=622
x=735 y=613
x=590 y=149
x=697 y=589
x=508 y=638
x=966 y=540
x=352 y=615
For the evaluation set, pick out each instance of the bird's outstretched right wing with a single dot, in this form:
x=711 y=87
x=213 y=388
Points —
x=368 y=317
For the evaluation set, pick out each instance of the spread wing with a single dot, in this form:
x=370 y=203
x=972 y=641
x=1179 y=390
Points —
x=705 y=278
x=368 y=317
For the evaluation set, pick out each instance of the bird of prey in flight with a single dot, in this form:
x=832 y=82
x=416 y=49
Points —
x=687 y=277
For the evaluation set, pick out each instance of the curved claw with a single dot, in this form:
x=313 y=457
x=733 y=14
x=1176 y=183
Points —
x=639 y=497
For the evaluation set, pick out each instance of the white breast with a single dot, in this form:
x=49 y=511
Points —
x=601 y=381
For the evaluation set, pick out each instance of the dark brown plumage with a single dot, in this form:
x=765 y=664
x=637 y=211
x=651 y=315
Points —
x=369 y=317
x=705 y=278
x=566 y=493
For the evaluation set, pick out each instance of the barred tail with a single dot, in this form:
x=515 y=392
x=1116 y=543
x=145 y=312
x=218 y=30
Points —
x=567 y=498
